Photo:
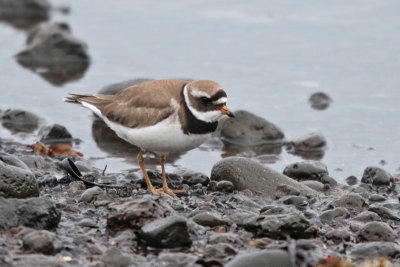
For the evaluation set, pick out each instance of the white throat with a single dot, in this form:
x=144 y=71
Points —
x=208 y=116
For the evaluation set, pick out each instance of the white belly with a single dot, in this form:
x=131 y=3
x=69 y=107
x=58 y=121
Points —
x=162 y=138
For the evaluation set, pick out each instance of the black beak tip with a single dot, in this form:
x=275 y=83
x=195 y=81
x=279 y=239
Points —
x=230 y=114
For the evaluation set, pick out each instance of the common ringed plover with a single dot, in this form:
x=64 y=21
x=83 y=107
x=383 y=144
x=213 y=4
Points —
x=162 y=116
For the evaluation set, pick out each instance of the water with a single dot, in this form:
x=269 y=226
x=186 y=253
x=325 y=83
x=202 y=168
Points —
x=270 y=56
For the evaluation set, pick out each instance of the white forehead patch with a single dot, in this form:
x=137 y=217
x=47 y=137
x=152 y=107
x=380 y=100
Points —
x=221 y=100
x=197 y=93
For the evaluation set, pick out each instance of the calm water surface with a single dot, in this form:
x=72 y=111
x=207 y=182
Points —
x=270 y=56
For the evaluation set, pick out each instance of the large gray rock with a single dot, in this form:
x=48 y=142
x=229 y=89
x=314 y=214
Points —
x=247 y=129
x=51 y=46
x=266 y=258
x=376 y=176
x=18 y=120
x=37 y=213
x=245 y=173
x=279 y=226
x=16 y=180
x=170 y=232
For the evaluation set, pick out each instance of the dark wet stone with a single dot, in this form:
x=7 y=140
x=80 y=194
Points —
x=299 y=202
x=37 y=213
x=376 y=198
x=174 y=181
x=47 y=180
x=195 y=178
x=114 y=88
x=338 y=236
x=16 y=180
x=273 y=257
x=209 y=219
x=220 y=250
x=53 y=48
x=377 y=231
x=306 y=170
x=18 y=120
x=375 y=250
x=351 y=180
x=352 y=202
x=170 y=232
x=24 y=14
x=311 y=146
x=384 y=212
x=90 y=194
x=247 y=129
x=280 y=226
x=335 y=215
x=376 y=176
x=317 y=186
x=133 y=214
x=42 y=241
x=367 y=216
x=35 y=260
x=55 y=134
x=245 y=173
x=225 y=186
x=320 y=101
x=114 y=257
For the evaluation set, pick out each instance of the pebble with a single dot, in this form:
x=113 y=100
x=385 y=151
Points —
x=170 y=232
x=280 y=226
x=210 y=219
x=352 y=202
x=376 y=176
x=55 y=133
x=42 y=241
x=306 y=170
x=90 y=194
x=320 y=101
x=375 y=250
x=334 y=216
x=273 y=257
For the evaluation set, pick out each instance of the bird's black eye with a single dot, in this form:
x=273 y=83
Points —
x=205 y=100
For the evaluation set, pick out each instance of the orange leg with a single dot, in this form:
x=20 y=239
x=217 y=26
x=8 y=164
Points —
x=146 y=177
x=164 y=178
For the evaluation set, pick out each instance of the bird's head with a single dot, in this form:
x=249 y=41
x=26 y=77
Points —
x=206 y=100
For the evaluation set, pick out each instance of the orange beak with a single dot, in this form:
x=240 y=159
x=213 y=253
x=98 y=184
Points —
x=224 y=110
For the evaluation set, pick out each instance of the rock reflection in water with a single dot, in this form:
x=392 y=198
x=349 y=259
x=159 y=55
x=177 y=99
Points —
x=54 y=53
x=16 y=120
x=109 y=142
x=22 y=14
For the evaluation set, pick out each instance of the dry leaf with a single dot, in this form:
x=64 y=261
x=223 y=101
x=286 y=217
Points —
x=54 y=151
